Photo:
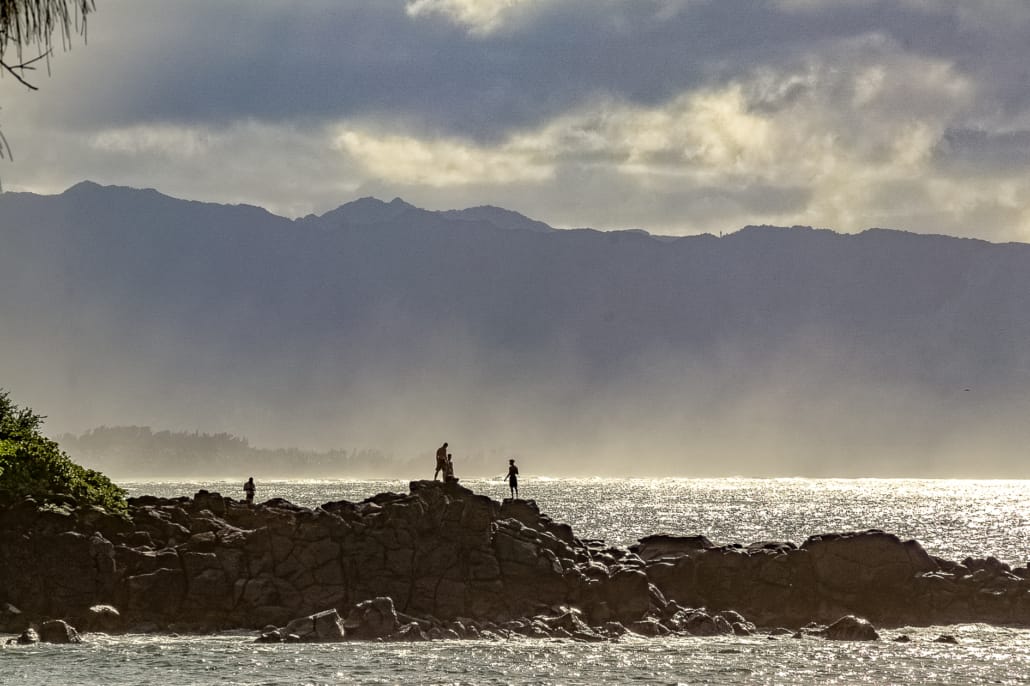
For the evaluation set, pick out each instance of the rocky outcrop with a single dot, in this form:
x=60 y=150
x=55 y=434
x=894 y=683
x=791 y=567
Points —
x=871 y=574
x=372 y=619
x=27 y=637
x=442 y=561
x=103 y=618
x=849 y=628
x=58 y=631
x=664 y=545
x=208 y=562
x=320 y=627
x=51 y=631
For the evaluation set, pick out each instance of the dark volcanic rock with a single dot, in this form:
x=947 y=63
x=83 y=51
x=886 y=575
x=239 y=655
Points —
x=451 y=562
x=11 y=619
x=321 y=627
x=869 y=573
x=58 y=631
x=649 y=627
x=699 y=623
x=27 y=637
x=861 y=561
x=665 y=545
x=409 y=632
x=628 y=594
x=105 y=618
x=371 y=619
x=850 y=628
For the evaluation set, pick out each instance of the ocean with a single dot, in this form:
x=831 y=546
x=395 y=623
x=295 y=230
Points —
x=952 y=518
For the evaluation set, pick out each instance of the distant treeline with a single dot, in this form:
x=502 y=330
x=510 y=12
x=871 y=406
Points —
x=128 y=452
x=139 y=451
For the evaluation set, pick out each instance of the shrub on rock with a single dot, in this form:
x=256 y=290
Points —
x=33 y=465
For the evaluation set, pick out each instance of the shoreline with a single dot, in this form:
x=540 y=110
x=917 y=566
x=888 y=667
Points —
x=444 y=554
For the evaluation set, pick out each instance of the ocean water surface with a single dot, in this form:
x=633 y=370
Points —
x=952 y=519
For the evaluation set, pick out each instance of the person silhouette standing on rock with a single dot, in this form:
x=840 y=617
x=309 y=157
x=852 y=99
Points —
x=249 y=489
x=441 y=460
x=513 y=478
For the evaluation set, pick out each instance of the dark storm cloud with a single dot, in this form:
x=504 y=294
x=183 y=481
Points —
x=671 y=115
x=218 y=62
x=980 y=151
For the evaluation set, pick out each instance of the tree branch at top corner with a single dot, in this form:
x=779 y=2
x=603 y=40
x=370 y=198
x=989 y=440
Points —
x=13 y=69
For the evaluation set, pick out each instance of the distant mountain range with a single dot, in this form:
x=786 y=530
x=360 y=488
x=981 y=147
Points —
x=768 y=351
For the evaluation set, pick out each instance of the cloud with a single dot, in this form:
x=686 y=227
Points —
x=671 y=115
x=281 y=167
x=169 y=142
x=438 y=163
x=810 y=144
x=978 y=151
x=479 y=16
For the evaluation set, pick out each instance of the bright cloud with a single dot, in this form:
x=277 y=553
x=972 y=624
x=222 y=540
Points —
x=479 y=16
x=439 y=163
x=675 y=116
x=813 y=144
x=777 y=131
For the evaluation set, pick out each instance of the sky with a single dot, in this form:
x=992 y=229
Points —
x=675 y=116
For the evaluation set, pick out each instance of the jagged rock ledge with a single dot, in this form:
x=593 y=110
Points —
x=444 y=562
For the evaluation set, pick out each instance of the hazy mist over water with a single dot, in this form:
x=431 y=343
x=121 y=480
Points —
x=809 y=411
x=380 y=326
x=670 y=419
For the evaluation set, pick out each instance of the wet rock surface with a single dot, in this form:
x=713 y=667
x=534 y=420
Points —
x=849 y=628
x=442 y=561
x=58 y=631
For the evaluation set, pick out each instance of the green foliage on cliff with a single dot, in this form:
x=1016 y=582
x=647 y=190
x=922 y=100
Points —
x=32 y=464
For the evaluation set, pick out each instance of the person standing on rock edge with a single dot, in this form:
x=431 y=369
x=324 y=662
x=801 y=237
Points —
x=249 y=489
x=448 y=469
x=441 y=460
x=513 y=478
